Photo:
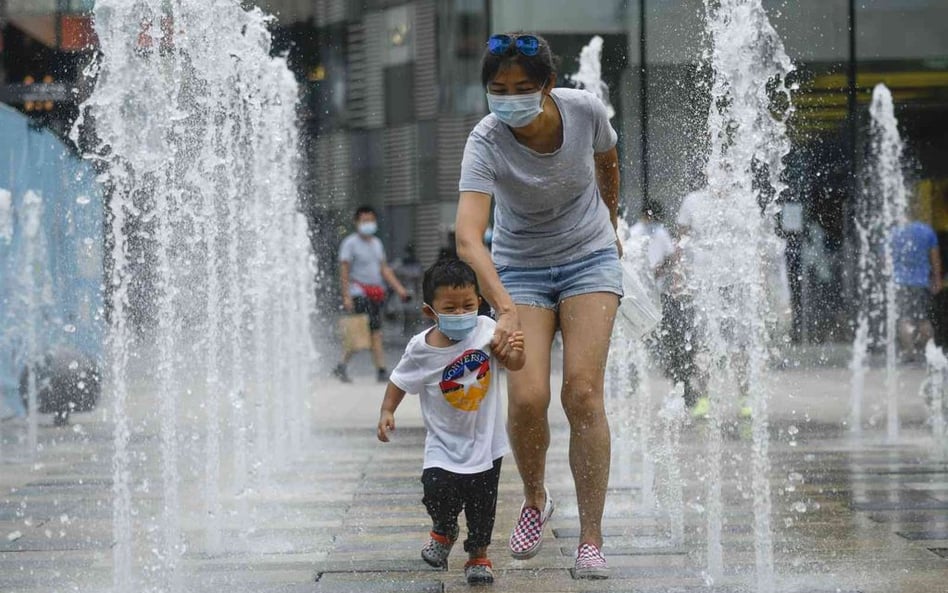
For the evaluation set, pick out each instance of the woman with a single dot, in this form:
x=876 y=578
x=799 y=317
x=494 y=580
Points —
x=547 y=157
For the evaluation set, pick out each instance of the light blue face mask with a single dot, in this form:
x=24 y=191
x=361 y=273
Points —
x=456 y=327
x=516 y=111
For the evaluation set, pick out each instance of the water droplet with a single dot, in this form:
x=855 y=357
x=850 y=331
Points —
x=792 y=429
x=73 y=365
x=799 y=506
x=83 y=200
x=69 y=328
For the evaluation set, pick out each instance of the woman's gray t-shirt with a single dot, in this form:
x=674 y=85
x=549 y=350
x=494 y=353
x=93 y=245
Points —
x=548 y=210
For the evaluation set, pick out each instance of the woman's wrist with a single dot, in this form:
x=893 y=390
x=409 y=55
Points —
x=506 y=309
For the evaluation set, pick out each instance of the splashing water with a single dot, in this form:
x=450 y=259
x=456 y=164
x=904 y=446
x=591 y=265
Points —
x=750 y=104
x=196 y=128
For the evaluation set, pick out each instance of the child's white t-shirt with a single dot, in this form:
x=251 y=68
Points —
x=460 y=399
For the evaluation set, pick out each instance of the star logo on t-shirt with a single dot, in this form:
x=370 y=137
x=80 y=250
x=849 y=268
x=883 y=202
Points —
x=465 y=381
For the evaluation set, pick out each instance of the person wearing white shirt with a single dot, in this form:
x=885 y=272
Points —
x=657 y=243
x=680 y=343
x=363 y=275
x=453 y=367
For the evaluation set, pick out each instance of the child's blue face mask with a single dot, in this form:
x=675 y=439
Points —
x=456 y=327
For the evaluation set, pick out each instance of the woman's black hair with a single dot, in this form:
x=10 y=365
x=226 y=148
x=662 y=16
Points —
x=447 y=271
x=538 y=68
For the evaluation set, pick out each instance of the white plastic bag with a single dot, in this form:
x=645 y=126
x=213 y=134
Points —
x=640 y=308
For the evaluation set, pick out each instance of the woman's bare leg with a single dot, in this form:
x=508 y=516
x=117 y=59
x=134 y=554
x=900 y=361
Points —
x=586 y=322
x=528 y=393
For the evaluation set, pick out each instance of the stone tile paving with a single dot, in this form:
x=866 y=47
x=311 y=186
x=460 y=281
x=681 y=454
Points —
x=850 y=514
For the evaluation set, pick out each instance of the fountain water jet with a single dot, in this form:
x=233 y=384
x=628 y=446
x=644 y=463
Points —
x=881 y=210
x=196 y=129
x=750 y=103
x=35 y=285
x=589 y=76
x=937 y=364
x=672 y=416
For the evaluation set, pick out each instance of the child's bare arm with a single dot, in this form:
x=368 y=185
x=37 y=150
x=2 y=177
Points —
x=515 y=359
x=393 y=397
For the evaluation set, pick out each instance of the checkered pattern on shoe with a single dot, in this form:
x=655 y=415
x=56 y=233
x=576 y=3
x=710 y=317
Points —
x=527 y=534
x=436 y=550
x=590 y=563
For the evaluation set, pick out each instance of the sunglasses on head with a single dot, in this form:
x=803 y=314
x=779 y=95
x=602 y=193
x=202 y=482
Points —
x=527 y=45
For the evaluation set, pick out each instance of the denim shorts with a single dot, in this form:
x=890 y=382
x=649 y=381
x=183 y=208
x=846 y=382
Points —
x=548 y=286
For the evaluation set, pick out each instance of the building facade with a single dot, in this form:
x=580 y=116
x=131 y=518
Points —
x=391 y=88
x=44 y=44
x=398 y=91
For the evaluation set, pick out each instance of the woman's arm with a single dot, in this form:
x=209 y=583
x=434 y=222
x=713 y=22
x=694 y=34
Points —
x=607 y=177
x=472 y=219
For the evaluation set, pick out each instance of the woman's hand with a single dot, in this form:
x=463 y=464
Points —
x=508 y=324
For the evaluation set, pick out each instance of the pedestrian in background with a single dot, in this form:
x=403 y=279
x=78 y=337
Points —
x=363 y=274
x=917 y=274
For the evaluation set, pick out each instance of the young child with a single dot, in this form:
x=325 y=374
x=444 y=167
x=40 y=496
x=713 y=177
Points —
x=453 y=367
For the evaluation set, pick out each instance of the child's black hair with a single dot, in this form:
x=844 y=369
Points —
x=447 y=271
x=538 y=68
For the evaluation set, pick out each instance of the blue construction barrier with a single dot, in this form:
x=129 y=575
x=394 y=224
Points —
x=51 y=271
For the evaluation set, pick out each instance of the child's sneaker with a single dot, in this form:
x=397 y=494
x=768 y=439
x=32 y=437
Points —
x=479 y=571
x=527 y=535
x=436 y=550
x=590 y=563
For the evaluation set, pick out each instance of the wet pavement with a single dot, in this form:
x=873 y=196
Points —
x=850 y=512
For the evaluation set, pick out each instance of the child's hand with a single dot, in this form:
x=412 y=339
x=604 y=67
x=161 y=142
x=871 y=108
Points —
x=386 y=423
x=516 y=341
x=514 y=359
